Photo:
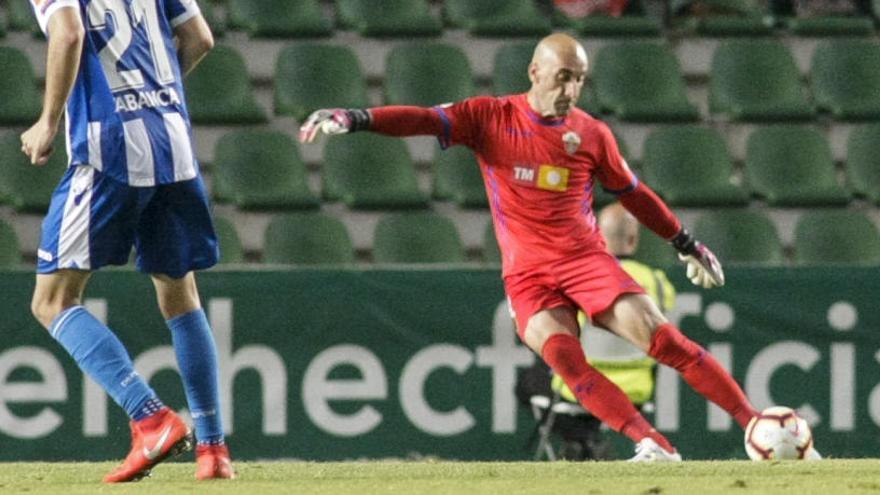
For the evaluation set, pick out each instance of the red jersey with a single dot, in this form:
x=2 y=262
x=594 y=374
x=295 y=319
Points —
x=539 y=175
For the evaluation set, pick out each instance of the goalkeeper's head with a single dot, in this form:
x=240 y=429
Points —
x=557 y=73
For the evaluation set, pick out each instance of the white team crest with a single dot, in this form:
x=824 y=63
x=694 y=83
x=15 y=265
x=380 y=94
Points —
x=572 y=142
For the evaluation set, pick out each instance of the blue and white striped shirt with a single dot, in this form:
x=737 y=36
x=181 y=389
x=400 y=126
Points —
x=127 y=115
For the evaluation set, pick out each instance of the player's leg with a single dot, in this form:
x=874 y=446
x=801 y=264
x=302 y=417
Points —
x=197 y=359
x=88 y=226
x=175 y=236
x=636 y=318
x=547 y=323
x=57 y=306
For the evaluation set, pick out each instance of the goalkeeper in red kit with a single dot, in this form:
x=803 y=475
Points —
x=541 y=158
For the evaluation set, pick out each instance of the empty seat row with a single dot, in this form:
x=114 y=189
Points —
x=736 y=236
x=785 y=166
x=261 y=169
x=750 y=81
x=749 y=236
x=407 y=18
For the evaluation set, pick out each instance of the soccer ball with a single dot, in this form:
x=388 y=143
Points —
x=778 y=433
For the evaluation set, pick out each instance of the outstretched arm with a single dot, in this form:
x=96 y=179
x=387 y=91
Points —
x=66 y=35
x=390 y=120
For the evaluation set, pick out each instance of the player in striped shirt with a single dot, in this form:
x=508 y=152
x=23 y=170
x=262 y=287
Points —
x=114 y=72
x=541 y=157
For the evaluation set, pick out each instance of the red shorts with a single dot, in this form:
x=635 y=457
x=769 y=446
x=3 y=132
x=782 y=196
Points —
x=591 y=282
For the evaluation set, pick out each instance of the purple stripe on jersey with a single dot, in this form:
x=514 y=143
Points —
x=629 y=188
x=497 y=211
x=556 y=122
x=447 y=128
x=587 y=206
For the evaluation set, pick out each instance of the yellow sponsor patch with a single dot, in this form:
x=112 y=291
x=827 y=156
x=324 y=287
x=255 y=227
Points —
x=552 y=178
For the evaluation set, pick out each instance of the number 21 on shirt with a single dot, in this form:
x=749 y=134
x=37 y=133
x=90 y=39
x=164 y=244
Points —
x=127 y=17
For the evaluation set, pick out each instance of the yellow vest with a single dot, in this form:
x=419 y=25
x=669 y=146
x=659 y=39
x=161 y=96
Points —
x=634 y=376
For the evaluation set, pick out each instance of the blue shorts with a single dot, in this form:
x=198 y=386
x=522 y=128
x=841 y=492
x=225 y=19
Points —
x=94 y=221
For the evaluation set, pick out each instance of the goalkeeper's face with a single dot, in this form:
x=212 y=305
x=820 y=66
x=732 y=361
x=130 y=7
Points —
x=557 y=75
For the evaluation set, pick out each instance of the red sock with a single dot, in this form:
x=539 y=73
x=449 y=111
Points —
x=701 y=371
x=598 y=395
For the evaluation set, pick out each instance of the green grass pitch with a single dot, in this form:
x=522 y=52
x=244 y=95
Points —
x=839 y=476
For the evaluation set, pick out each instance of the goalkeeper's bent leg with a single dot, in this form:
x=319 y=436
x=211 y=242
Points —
x=701 y=371
x=598 y=395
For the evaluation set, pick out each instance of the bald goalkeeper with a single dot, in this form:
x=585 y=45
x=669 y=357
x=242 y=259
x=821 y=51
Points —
x=541 y=157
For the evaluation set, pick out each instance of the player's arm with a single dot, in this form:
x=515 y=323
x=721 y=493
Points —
x=703 y=267
x=66 y=35
x=194 y=41
x=395 y=120
x=454 y=123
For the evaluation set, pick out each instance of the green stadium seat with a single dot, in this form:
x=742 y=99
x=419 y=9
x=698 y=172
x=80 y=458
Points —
x=851 y=18
x=20 y=16
x=231 y=250
x=510 y=67
x=10 y=255
x=740 y=236
x=218 y=90
x=398 y=17
x=846 y=78
x=724 y=18
x=21 y=103
x=23 y=186
x=792 y=166
x=830 y=26
x=312 y=76
x=690 y=166
x=836 y=236
x=278 y=18
x=863 y=161
x=491 y=251
x=457 y=177
x=655 y=251
x=641 y=81
x=417 y=237
x=307 y=239
x=757 y=80
x=496 y=18
x=427 y=74
x=370 y=171
x=261 y=170
x=625 y=26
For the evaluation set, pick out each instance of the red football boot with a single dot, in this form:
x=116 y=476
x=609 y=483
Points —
x=153 y=439
x=212 y=462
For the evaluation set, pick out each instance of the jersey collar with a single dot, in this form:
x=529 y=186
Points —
x=538 y=118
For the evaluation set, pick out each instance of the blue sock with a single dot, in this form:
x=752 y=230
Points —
x=102 y=356
x=197 y=360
